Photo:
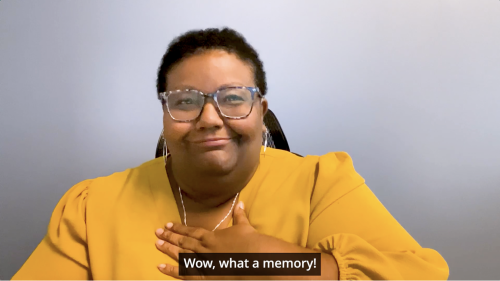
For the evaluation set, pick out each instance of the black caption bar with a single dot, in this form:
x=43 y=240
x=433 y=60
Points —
x=258 y=264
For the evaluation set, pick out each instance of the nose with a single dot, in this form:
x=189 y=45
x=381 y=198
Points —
x=210 y=117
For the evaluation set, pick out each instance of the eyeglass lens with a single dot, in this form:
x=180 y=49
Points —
x=232 y=102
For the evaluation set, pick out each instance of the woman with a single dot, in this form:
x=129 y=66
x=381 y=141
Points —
x=220 y=191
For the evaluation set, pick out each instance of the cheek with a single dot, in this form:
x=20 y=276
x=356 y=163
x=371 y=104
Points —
x=249 y=128
x=174 y=131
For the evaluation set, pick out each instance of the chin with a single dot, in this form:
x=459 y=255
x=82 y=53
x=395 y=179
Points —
x=216 y=162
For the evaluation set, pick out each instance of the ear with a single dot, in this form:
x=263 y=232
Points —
x=264 y=107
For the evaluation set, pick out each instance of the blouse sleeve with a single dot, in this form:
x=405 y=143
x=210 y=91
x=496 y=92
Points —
x=62 y=254
x=349 y=222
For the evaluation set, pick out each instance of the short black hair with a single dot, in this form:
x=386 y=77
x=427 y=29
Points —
x=196 y=41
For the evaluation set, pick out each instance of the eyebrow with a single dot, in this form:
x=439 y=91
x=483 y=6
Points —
x=186 y=86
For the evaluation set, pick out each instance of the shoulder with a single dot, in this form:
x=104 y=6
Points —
x=331 y=171
x=339 y=162
x=338 y=165
x=278 y=155
x=136 y=177
x=104 y=192
x=332 y=174
x=142 y=170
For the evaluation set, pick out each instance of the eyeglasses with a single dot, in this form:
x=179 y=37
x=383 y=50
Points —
x=232 y=102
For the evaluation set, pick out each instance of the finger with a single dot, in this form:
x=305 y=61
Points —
x=193 y=232
x=173 y=271
x=170 y=270
x=239 y=215
x=170 y=250
x=181 y=241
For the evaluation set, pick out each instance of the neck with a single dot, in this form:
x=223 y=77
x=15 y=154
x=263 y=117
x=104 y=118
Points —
x=208 y=190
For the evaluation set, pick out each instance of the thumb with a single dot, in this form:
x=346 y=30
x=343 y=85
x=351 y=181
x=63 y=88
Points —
x=239 y=215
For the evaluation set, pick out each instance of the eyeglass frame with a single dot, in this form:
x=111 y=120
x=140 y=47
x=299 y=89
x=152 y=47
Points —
x=253 y=90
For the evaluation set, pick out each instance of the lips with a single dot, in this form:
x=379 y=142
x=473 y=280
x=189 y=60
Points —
x=212 y=142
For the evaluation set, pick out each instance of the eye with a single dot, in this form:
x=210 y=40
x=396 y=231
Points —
x=233 y=98
x=185 y=101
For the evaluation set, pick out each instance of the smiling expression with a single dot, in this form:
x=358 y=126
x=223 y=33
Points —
x=211 y=142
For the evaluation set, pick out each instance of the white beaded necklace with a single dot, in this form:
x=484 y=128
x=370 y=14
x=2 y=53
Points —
x=184 y=209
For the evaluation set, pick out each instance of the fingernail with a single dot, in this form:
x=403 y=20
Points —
x=242 y=205
x=162 y=266
x=169 y=225
x=160 y=242
x=160 y=231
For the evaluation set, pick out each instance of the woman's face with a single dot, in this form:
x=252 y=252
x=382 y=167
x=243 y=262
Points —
x=212 y=143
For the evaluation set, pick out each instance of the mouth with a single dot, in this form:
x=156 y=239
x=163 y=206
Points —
x=212 y=142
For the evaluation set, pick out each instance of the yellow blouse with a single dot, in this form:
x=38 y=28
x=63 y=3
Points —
x=105 y=228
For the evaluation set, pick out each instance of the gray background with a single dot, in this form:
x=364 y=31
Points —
x=411 y=89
